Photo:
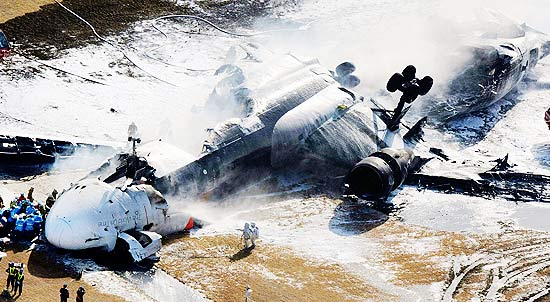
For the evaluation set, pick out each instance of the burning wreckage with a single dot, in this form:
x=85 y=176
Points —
x=297 y=117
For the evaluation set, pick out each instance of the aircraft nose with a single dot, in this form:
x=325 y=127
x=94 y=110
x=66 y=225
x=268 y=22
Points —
x=59 y=232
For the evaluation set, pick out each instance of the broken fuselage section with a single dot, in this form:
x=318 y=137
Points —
x=497 y=64
x=298 y=117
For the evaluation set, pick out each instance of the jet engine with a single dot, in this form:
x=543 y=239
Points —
x=376 y=176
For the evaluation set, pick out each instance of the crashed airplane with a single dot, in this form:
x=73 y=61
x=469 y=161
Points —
x=296 y=116
x=498 y=61
x=298 y=106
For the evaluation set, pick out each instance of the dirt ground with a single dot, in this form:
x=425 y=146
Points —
x=222 y=271
x=44 y=278
x=43 y=29
x=10 y=9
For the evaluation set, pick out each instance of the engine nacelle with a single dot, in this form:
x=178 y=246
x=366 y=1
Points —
x=379 y=174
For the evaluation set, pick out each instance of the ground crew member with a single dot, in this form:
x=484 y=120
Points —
x=11 y=276
x=38 y=220
x=29 y=195
x=247 y=235
x=19 y=282
x=255 y=234
x=80 y=294
x=21 y=198
x=29 y=226
x=19 y=229
x=248 y=294
x=51 y=199
x=64 y=293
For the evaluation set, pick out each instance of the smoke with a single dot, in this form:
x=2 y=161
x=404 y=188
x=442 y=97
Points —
x=84 y=158
x=382 y=37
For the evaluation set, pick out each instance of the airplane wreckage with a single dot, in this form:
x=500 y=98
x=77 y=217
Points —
x=297 y=117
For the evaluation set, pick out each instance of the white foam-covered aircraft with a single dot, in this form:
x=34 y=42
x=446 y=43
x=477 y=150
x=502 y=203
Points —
x=93 y=214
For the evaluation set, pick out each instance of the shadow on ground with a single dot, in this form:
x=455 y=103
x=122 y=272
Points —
x=356 y=217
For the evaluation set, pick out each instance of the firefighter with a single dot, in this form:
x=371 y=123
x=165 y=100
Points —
x=247 y=235
x=255 y=234
x=80 y=294
x=19 y=229
x=11 y=276
x=29 y=227
x=248 y=294
x=19 y=277
x=64 y=293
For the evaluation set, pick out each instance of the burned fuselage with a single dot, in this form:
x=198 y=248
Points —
x=494 y=68
x=303 y=118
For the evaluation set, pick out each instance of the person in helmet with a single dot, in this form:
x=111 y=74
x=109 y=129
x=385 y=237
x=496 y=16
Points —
x=247 y=235
x=29 y=226
x=255 y=234
x=19 y=229
x=19 y=277
x=64 y=293
x=248 y=294
x=80 y=294
x=11 y=276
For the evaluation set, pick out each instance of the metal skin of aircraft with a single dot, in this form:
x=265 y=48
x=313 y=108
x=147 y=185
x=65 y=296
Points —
x=298 y=115
x=498 y=61
x=295 y=116
x=93 y=214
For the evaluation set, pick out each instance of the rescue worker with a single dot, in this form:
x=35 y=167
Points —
x=30 y=209
x=19 y=228
x=21 y=198
x=547 y=118
x=13 y=203
x=38 y=220
x=80 y=294
x=247 y=235
x=11 y=276
x=248 y=294
x=4 y=224
x=19 y=282
x=255 y=234
x=64 y=293
x=51 y=199
x=29 y=195
x=29 y=227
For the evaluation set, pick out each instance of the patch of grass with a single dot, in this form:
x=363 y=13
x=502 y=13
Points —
x=215 y=265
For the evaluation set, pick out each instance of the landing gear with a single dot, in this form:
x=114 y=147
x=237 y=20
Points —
x=411 y=87
x=343 y=74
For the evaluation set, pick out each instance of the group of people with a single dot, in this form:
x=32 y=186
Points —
x=250 y=233
x=24 y=217
x=64 y=293
x=15 y=278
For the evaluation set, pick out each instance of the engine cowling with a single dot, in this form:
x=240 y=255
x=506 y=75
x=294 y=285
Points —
x=376 y=176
